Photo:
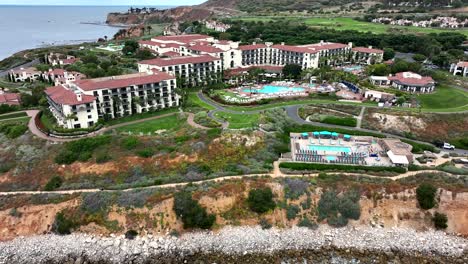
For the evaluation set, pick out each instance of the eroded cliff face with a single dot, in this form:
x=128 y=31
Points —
x=179 y=14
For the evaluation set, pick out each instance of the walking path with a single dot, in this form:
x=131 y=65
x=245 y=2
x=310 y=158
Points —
x=33 y=128
x=276 y=173
x=360 y=117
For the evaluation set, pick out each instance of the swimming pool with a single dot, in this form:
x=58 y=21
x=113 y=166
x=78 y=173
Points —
x=352 y=68
x=267 y=89
x=330 y=148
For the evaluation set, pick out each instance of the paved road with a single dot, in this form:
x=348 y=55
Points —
x=360 y=117
x=292 y=112
x=26 y=65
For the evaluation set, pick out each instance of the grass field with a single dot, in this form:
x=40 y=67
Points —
x=238 y=121
x=168 y=122
x=347 y=23
x=444 y=98
x=295 y=102
x=140 y=116
x=13 y=115
x=19 y=120
x=193 y=100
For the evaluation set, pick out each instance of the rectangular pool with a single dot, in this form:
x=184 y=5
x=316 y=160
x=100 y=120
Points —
x=330 y=148
x=267 y=89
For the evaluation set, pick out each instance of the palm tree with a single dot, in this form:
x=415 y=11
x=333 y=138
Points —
x=105 y=37
x=149 y=28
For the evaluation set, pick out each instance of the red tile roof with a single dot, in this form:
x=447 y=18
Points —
x=367 y=50
x=410 y=78
x=61 y=95
x=182 y=38
x=171 y=54
x=462 y=64
x=326 y=46
x=69 y=61
x=205 y=48
x=10 y=98
x=294 y=48
x=252 y=47
x=179 y=60
x=122 y=81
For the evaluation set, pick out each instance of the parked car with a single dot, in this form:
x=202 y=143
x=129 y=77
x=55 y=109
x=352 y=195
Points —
x=448 y=146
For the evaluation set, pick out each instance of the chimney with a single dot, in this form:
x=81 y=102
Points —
x=370 y=47
x=282 y=43
x=350 y=44
x=321 y=41
x=79 y=97
x=254 y=43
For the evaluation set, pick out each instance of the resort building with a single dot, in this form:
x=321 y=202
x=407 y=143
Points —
x=58 y=59
x=82 y=103
x=412 y=82
x=217 y=26
x=60 y=76
x=10 y=98
x=460 y=68
x=193 y=70
x=378 y=96
x=233 y=55
x=367 y=56
x=406 y=81
x=24 y=75
x=398 y=152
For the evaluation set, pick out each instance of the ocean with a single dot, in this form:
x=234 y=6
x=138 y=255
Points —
x=26 y=27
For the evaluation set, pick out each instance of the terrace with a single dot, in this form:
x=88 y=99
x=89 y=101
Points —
x=334 y=148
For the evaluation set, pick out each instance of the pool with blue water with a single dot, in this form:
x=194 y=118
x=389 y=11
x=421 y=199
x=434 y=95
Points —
x=269 y=89
x=330 y=148
x=352 y=68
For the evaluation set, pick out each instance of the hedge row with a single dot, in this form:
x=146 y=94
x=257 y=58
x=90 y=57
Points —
x=342 y=121
x=333 y=167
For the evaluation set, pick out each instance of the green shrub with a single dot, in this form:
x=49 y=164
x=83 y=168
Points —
x=335 y=167
x=81 y=149
x=62 y=225
x=440 y=220
x=97 y=202
x=84 y=156
x=130 y=143
x=294 y=188
x=54 y=183
x=103 y=157
x=145 y=153
x=337 y=209
x=6 y=167
x=15 y=213
x=131 y=234
x=426 y=193
x=265 y=224
x=261 y=200
x=342 y=121
x=292 y=211
x=306 y=222
x=191 y=213
x=13 y=130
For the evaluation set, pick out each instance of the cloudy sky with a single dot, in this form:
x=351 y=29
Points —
x=102 y=2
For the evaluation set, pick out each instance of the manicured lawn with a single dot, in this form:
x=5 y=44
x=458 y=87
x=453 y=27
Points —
x=346 y=23
x=238 y=121
x=193 y=100
x=140 y=116
x=295 y=102
x=20 y=120
x=13 y=115
x=168 y=122
x=444 y=97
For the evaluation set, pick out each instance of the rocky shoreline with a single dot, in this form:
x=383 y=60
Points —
x=245 y=245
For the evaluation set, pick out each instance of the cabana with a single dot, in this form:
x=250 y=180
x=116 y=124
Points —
x=316 y=134
x=334 y=135
x=325 y=134
x=305 y=135
x=347 y=137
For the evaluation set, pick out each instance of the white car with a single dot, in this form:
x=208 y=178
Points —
x=448 y=146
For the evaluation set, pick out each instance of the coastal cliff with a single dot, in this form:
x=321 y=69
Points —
x=179 y=14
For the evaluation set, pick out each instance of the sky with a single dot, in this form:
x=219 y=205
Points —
x=103 y=2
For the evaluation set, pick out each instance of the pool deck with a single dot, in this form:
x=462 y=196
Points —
x=357 y=146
